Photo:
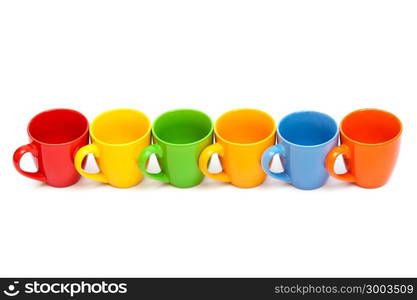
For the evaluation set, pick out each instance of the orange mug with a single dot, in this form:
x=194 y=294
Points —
x=370 y=143
x=242 y=136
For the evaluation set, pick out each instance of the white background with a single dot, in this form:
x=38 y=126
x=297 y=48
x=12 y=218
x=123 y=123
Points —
x=278 y=56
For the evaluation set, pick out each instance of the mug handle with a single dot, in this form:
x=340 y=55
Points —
x=204 y=160
x=267 y=159
x=78 y=162
x=17 y=156
x=331 y=159
x=144 y=160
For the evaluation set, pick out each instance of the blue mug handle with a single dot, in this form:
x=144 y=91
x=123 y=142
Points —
x=266 y=162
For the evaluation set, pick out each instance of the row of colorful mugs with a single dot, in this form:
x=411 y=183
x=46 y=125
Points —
x=245 y=141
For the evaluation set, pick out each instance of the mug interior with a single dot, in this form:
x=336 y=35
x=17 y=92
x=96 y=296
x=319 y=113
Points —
x=120 y=126
x=307 y=128
x=58 y=126
x=371 y=126
x=183 y=126
x=245 y=126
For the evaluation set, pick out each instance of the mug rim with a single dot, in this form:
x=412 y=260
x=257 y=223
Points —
x=95 y=139
x=272 y=134
x=210 y=133
x=86 y=129
x=335 y=135
x=371 y=144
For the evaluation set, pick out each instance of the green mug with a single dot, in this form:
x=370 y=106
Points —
x=179 y=136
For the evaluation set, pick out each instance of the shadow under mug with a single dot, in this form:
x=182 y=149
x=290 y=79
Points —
x=305 y=138
x=179 y=137
x=55 y=136
x=370 y=143
x=117 y=138
x=242 y=136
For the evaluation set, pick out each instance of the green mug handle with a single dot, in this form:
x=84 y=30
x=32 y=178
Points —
x=144 y=159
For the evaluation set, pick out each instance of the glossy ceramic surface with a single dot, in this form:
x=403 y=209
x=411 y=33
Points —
x=305 y=138
x=242 y=136
x=55 y=136
x=370 y=143
x=179 y=137
x=118 y=137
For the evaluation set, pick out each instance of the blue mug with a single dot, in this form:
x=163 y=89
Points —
x=305 y=138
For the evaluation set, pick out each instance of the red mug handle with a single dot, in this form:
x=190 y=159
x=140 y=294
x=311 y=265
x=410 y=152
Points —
x=18 y=154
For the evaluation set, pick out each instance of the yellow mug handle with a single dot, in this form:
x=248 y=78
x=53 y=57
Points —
x=78 y=162
x=204 y=160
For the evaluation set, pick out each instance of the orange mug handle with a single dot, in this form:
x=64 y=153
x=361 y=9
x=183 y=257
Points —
x=331 y=159
x=204 y=160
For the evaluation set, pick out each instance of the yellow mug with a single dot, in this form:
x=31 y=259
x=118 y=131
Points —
x=242 y=136
x=118 y=137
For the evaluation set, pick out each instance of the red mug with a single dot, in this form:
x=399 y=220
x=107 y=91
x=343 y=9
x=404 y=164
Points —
x=55 y=137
